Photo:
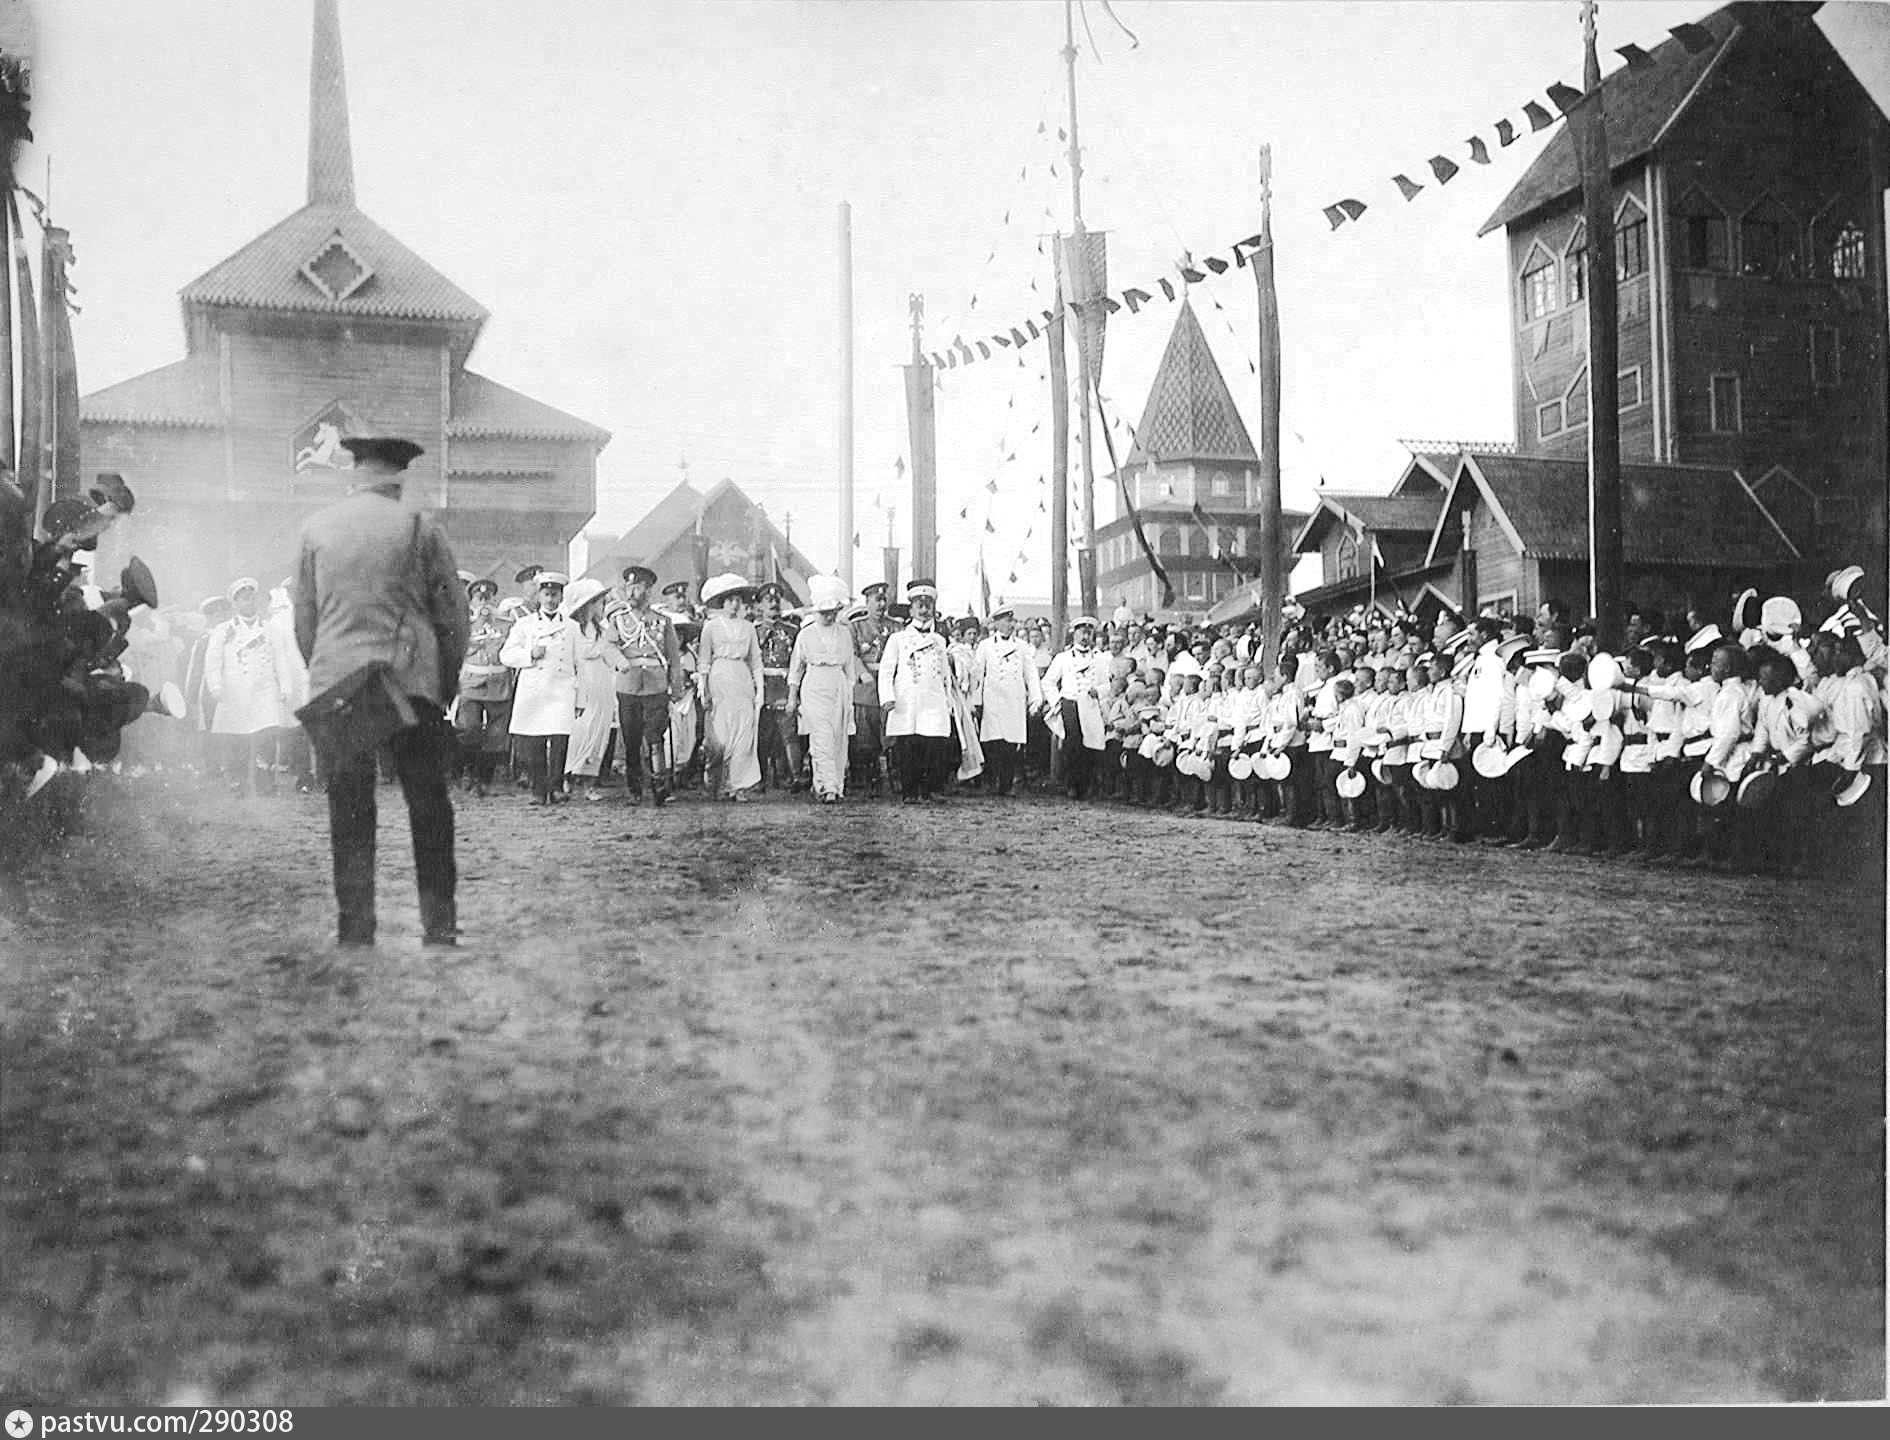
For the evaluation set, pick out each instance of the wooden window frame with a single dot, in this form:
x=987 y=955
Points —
x=1575 y=266
x=1548 y=289
x=1630 y=206
x=1640 y=388
x=1787 y=232
x=1710 y=209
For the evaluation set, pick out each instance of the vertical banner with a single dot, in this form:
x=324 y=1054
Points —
x=9 y=455
x=1059 y=469
x=1085 y=282
x=889 y=556
x=1272 y=543
x=921 y=422
x=62 y=419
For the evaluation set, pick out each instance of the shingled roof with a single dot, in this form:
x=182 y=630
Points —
x=1190 y=413
x=1379 y=514
x=1639 y=105
x=183 y=394
x=484 y=408
x=1682 y=515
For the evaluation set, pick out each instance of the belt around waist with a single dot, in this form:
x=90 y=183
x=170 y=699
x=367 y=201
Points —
x=646 y=660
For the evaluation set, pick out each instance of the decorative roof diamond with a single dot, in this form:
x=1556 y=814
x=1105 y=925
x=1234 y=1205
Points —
x=335 y=269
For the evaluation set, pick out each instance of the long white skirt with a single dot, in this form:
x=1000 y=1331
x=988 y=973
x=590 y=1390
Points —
x=826 y=721
x=596 y=718
x=731 y=736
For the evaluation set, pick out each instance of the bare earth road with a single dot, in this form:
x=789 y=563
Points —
x=1008 y=1102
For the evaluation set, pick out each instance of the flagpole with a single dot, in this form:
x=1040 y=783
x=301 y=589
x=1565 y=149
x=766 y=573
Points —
x=1272 y=568
x=1604 y=416
x=845 y=570
x=1085 y=557
x=1059 y=460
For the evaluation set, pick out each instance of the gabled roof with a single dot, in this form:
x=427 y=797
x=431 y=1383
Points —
x=1639 y=105
x=1190 y=413
x=675 y=515
x=484 y=408
x=183 y=394
x=266 y=274
x=1684 y=515
x=1375 y=514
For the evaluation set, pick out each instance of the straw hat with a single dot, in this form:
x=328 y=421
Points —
x=577 y=596
x=1350 y=784
x=1850 y=788
x=1710 y=788
x=826 y=592
x=1241 y=766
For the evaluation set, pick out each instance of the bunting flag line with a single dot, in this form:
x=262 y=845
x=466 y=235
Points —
x=1694 y=39
x=1219 y=267
x=1505 y=133
x=1539 y=119
x=1408 y=187
x=1566 y=97
x=1637 y=58
x=1443 y=169
x=1479 y=152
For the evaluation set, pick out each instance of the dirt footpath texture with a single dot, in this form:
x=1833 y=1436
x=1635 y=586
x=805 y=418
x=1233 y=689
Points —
x=1008 y=1102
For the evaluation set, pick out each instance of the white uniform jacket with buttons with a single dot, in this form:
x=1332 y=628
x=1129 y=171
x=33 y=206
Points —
x=915 y=678
x=1004 y=681
x=1082 y=676
x=545 y=702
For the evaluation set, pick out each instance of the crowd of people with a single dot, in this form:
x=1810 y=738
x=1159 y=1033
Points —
x=1755 y=743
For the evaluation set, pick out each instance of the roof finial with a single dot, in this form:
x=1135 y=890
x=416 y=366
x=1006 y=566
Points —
x=330 y=155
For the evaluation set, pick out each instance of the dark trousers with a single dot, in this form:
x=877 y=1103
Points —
x=643 y=722
x=1078 y=758
x=422 y=761
x=482 y=726
x=1001 y=761
x=543 y=757
x=924 y=763
x=1326 y=794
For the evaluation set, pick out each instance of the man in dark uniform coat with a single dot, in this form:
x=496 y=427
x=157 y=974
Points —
x=377 y=582
x=777 y=742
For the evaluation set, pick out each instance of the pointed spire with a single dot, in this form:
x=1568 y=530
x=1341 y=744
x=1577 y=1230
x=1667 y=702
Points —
x=330 y=156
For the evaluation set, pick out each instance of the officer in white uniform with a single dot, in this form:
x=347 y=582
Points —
x=1005 y=693
x=915 y=692
x=1073 y=688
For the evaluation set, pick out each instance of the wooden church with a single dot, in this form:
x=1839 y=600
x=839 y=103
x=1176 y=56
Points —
x=326 y=326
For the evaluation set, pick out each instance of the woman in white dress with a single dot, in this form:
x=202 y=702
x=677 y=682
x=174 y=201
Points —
x=543 y=648
x=731 y=688
x=821 y=675
x=598 y=662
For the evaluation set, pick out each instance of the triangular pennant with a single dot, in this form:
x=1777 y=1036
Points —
x=1007 y=217
x=938 y=362
x=1061 y=135
x=1479 y=151
x=1013 y=577
x=984 y=351
x=1253 y=367
x=1637 y=58
x=1566 y=97
x=1192 y=275
x=1694 y=39
x=974 y=302
x=1053 y=171
x=965 y=514
x=1407 y=186
x=1539 y=119
x=1031 y=325
x=951 y=359
x=1219 y=267
x=1168 y=291
x=1252 y=242
x=1354 y=208
x=989 y=528
x=1017 y=337
x=1110 y=305
x=991 y=485
x=1505 y=133
x=1443 y=169
x=1003 y=340
x=1042 y=508
x=1033 y=430
x=1010 y=457
x=1049 y=318
x=1240 y=257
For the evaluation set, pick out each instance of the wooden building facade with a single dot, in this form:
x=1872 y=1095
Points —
x=1191 y=450
x=690 y=535
x=324 y=327
x=1749 y=182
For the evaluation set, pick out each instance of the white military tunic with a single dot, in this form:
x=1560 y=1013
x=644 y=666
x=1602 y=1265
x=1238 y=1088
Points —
x=1004 y=681
x=1082 y=676
x=546 y=700
x=915 y=678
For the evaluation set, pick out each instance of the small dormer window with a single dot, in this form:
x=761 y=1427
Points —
x=335 y=269
x=1630 y=240
x=1838 y=247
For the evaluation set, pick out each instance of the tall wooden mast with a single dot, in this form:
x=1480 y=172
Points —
x=1604 y=416
x=1272 y=562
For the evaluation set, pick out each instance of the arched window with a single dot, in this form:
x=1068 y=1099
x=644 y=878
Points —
x=1348 y=556
x=1837 y=244
x=1703 y=234
x=1167 y=540
x=1538 y=283
x=1768 y=242
x=1575 y=265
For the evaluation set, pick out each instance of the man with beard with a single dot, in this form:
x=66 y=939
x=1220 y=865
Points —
x=645 y=691
x=915 y=692
x=777 y=743
x=1005 y=693
x=1073 y=689
x=870 y=633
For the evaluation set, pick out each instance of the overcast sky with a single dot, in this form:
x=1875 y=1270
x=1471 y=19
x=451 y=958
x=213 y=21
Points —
x=645 y=195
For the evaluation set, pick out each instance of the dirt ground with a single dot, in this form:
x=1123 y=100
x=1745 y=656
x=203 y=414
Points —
x=1009 y=1102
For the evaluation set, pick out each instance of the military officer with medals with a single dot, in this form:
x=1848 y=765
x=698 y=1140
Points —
x=646 y=690
x=915 y=694
x=777 y=740
x=484 y=712
x=870 y=633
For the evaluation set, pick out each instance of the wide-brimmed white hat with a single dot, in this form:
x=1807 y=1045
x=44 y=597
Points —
x=577 y=596
x=719 y=587
x=1850 y=787
x=1350 y=784
x=826 y=592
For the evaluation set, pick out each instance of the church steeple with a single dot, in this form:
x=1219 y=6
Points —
x=330 y=155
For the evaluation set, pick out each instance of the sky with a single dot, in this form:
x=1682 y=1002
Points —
x=646 y=197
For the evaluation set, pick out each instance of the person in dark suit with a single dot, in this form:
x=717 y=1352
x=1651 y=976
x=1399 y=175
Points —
x=376 y=582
